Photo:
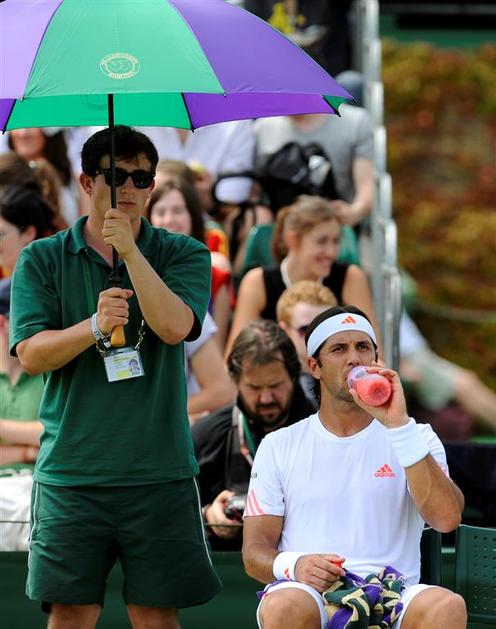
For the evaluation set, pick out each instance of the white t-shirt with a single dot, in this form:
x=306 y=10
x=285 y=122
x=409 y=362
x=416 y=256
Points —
x=220 y=148
x=209 y=328
x=4 y=143
x=344 y=138
x=411 y=339
x=342 y=495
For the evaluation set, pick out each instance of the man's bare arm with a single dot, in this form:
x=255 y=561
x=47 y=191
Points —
x=260 y=539
x=20 y=431
x=261 y=535
x=52 y=349
x=10 y=454
x=437 y=498
x=166 y=314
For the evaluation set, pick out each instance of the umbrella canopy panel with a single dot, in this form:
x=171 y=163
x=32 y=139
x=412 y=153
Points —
x=181 y=63
x=103 y=46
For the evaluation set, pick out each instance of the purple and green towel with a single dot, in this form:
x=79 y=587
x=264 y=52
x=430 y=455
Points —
x=356 y=603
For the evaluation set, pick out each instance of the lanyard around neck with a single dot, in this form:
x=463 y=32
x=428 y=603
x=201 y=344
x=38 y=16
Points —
x=246 y=441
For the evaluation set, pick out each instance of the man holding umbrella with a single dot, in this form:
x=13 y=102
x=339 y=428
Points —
x=114 y=477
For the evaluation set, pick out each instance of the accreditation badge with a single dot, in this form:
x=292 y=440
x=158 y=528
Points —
x=123 y=363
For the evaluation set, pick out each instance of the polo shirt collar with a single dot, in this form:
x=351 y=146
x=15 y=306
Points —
x=4 y=377
x=147 y=241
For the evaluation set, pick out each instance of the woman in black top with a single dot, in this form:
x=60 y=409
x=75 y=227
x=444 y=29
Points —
x=306 y=245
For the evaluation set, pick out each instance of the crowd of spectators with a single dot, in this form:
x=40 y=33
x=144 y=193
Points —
x=247 y=374
x=194 y=196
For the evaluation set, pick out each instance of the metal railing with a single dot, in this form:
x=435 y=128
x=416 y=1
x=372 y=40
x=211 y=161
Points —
x=385 y=276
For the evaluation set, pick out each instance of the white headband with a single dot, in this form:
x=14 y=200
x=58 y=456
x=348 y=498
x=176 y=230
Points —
x=338 y=323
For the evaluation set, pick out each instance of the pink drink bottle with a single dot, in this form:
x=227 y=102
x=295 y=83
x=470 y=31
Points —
x=372 y=388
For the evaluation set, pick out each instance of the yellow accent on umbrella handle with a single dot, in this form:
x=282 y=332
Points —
x=118 y=338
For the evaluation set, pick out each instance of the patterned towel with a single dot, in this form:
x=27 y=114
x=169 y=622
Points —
x=356 y=603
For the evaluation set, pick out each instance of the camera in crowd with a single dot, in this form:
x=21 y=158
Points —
x=282 y=176
x=235 y=507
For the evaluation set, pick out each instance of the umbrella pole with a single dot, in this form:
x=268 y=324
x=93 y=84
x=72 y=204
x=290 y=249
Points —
x=118 y=338
x=113 y=187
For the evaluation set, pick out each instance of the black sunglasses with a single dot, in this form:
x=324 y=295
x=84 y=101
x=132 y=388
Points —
x=141 y=178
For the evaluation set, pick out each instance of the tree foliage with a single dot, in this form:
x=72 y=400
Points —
x=441 y=121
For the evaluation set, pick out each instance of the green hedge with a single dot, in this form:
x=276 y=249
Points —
x=441 y=121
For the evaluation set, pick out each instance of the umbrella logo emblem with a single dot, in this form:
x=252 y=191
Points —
x=119 y=65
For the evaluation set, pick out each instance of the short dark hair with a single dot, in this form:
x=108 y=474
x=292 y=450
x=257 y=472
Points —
x=327 y=314
x=22 y=206
x=128 y=144
x=260 y=343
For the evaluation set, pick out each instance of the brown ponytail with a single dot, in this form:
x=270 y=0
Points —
x=279 y=248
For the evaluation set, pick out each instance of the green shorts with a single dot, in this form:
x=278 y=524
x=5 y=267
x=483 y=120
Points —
x=155 y=531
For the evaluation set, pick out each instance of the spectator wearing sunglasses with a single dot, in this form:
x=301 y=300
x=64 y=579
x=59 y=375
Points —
x=115 y=472
x=295 y=309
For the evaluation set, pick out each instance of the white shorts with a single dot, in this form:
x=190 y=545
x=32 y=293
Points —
x=15 y=506
x=406 y=596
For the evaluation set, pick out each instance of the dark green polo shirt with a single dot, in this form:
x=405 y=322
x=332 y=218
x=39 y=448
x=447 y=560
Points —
x=99 y=433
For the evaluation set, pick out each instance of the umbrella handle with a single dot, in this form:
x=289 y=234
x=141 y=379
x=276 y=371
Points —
x=118 y=338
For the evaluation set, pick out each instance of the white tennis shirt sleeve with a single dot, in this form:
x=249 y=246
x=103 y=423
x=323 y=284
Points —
x=265 y=494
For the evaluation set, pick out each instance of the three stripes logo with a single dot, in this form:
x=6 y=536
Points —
x=348 y=319
x=252 y=505
x=385 y=472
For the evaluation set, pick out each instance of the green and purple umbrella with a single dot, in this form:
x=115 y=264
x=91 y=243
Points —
x=173 y=63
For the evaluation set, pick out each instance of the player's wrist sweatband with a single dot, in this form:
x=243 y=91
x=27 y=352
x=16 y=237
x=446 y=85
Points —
x=284 y=565
x=408 y=443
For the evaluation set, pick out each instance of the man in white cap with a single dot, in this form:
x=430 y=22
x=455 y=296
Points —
x=320 y=510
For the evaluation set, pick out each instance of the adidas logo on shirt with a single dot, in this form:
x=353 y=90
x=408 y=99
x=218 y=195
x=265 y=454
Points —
x=385 y=472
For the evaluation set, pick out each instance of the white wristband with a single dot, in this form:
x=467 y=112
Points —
x=98 y=334
x=408 y=443
x=284 y=565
